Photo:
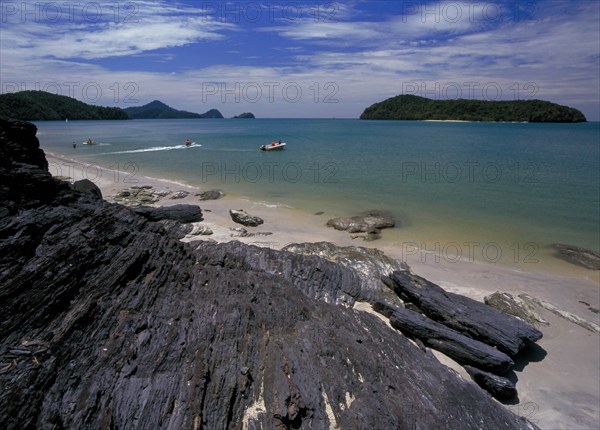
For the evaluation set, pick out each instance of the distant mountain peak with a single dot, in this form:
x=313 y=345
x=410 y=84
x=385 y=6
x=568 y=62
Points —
x=159 y=110
x=245 y=115
x=154 y=103
x=42 y=106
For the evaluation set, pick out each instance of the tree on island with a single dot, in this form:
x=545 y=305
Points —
x=411 y=107
x=159 y=110
x=246 y=115
x=41 y=105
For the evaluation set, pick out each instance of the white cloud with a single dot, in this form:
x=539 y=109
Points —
x=109 y=30
x=366 y=62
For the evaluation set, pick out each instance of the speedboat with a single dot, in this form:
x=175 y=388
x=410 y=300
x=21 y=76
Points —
x=273 y=146
x=89 y=142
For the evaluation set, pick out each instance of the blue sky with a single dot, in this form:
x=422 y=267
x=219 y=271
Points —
x=302 y=58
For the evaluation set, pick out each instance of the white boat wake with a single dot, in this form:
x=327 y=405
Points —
x=155 y=148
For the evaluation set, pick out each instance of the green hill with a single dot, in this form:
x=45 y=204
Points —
x=410 y=107
x=245 y=115
x=158 y=110
x=213 y=113
x=41 y=105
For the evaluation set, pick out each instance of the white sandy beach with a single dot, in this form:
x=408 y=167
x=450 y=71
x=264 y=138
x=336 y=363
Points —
x=560 y=391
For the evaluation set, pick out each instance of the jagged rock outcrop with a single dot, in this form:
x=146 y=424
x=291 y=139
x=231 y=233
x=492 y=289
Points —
x=462 y=349
x=180 y=213
x=369 y=264
x=465 y=315
x=370 y=222
x=87 y=186
x=240 y=216
x=242 y=232
x=210 y=195
x=200 y=230
x=577 y=255
x=107 y=321
x=499 y=387
x=139 y=195
x=514 y=305
x=179 y=195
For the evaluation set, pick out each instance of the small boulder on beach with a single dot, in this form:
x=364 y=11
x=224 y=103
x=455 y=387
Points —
x=179 y=195
x=370 y=222
x=210 y=195
x=87 y=186
x=181 y=213
x=576 y=255
x=242 y=217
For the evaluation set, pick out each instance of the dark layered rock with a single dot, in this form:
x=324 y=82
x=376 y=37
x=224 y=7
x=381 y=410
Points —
x=467 y=316
x=370 y=222
x=180 y=213
x=176 y=229
x=210 y=195
x=242 y=232
x=87 y=186
x=241 y=217
x=200 y=230
x=514 y=305
x=369 y=264
x=576 y=255
x=106 y=321
x=317 y=278
x=460 y=348
x=179 y=195
x=139 y=195
x=20 y=144
x=499 y=387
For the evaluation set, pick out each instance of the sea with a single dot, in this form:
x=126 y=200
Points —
x=492 y=192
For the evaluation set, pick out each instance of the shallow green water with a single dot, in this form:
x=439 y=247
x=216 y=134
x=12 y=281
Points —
x=511 y=184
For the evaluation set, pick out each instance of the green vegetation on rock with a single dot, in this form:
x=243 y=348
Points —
x=41 y=105
x=158 y=110
x=410 y=107
x=246 y=115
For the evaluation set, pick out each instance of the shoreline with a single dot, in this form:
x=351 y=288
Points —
x=572 y=352
x=418 y=246
x=295 y=225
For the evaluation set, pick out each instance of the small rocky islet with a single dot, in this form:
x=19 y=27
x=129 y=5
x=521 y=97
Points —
x=109 y=320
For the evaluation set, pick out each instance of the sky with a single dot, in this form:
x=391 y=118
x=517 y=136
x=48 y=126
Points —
x=302 y=59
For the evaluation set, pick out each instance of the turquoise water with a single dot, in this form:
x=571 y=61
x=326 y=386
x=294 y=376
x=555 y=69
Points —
x=510 y=183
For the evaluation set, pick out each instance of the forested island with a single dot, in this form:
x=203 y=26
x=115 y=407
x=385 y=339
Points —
x=159 y=110
x=42 y=106
x=245 y=115
x=411 y=107
x=45 y=106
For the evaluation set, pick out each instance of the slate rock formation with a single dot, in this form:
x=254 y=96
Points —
x=242 y=217
x=472 y=318
x=514 y=305
x=106 y=321
x=499 y=387
x=87 y=186
x=462 y=349
x=576 y=255
x=210 y=195
x=180 y=213
x=369 y=264
x=370 y=222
